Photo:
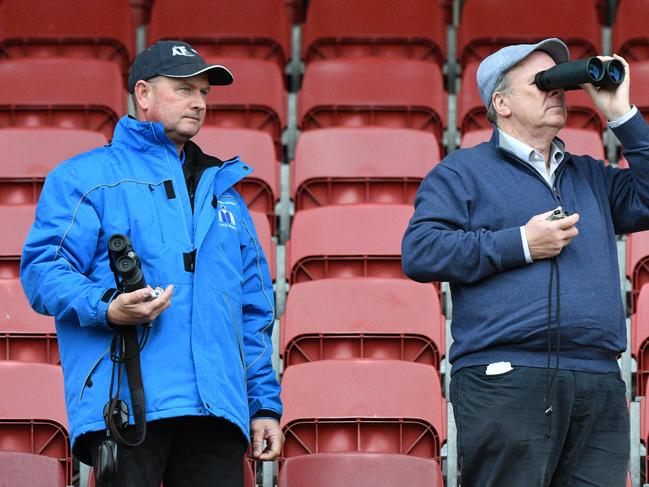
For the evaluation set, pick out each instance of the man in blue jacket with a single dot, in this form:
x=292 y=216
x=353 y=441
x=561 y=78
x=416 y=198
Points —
x=206 y=367
x=538 y=320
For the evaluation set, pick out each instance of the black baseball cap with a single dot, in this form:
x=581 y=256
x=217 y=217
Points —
x=174 y=59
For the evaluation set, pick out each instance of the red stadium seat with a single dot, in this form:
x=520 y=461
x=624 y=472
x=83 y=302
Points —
x=16 y=220
x=65 y=93
x=374 y=406
x=360 y=470
x=79 y=29
x=640 y=86
x=17 y=317
x=372 y=318
x=397 y=93
x=28 y=469
x=31 y=153
x=25 y=335
x=475 y=137
x=256 y=100
x=254 y=28
x=487 y=25
x=472 y=114
x=261 y=188
x=339 y=28
x=637 y=262
x=337 y=166
x=32 y=412
x=265 y=238
x=578 y=141
x=640 y=339
x=347 y=241
x=630 y=35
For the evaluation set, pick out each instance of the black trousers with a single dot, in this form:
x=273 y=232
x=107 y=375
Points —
x=503 y=431
x=190 y=451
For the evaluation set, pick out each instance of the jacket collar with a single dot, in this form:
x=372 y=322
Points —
x=141 y=136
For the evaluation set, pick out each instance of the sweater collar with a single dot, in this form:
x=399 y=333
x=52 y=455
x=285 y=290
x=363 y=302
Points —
x=499 y=142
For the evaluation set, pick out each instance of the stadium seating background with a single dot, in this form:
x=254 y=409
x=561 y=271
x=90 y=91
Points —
x=342 y=107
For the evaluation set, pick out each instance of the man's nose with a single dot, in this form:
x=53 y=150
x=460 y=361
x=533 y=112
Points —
x=198 y=101
x=557 y=93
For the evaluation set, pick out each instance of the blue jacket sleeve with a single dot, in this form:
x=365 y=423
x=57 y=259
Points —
x=628 y=190
x=439 y=244
x=59 y=251
x=258 y=320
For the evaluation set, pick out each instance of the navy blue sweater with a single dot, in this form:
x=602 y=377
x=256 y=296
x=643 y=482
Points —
x=466 y=230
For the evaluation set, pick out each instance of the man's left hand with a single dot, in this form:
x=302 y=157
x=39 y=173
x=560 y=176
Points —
x=613 y=103
x=269 y=430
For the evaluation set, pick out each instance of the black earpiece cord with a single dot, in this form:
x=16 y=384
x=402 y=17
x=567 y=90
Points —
x=549 y=381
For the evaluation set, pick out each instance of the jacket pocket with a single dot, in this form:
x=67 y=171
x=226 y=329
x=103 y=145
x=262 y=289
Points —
x=87 y=381
x=234 y=309
x=155 y=212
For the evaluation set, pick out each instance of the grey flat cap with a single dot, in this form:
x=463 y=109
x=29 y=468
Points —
x=493 y=67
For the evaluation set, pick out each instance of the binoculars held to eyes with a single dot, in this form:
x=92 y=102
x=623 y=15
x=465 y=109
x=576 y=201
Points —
x=569 y=75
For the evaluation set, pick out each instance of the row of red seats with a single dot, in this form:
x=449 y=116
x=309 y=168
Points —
x=335 y=28
x=354 y=325
x=357 y=413
x=352 y=93
x=366 y=243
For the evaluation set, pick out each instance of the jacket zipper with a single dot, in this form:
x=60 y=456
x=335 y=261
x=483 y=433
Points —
x=528 y=167
x=190 y=238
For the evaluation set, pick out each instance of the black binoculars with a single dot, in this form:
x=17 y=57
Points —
x=125 y=263
x=571 y=74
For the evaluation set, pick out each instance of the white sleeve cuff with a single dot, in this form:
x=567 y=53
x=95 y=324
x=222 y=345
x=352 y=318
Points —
x=526 y=247
x=624 y=118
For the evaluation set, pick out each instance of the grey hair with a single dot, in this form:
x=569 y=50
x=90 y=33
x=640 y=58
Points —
x=504 y=86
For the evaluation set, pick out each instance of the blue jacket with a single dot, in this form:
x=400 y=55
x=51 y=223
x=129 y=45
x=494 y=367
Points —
x=465 y=230
x=210 y=352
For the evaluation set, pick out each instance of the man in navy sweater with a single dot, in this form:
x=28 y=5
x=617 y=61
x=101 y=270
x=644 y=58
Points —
x=538 y=320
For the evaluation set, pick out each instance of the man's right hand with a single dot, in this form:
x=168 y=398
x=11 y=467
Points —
x=547 y=238
x=137 y=307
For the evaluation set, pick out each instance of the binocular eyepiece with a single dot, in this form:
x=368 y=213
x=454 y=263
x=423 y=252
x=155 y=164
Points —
x=569 y=75
x=125 y=263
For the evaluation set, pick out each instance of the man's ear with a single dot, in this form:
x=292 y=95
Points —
x=501 y=104
x=143 y=91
